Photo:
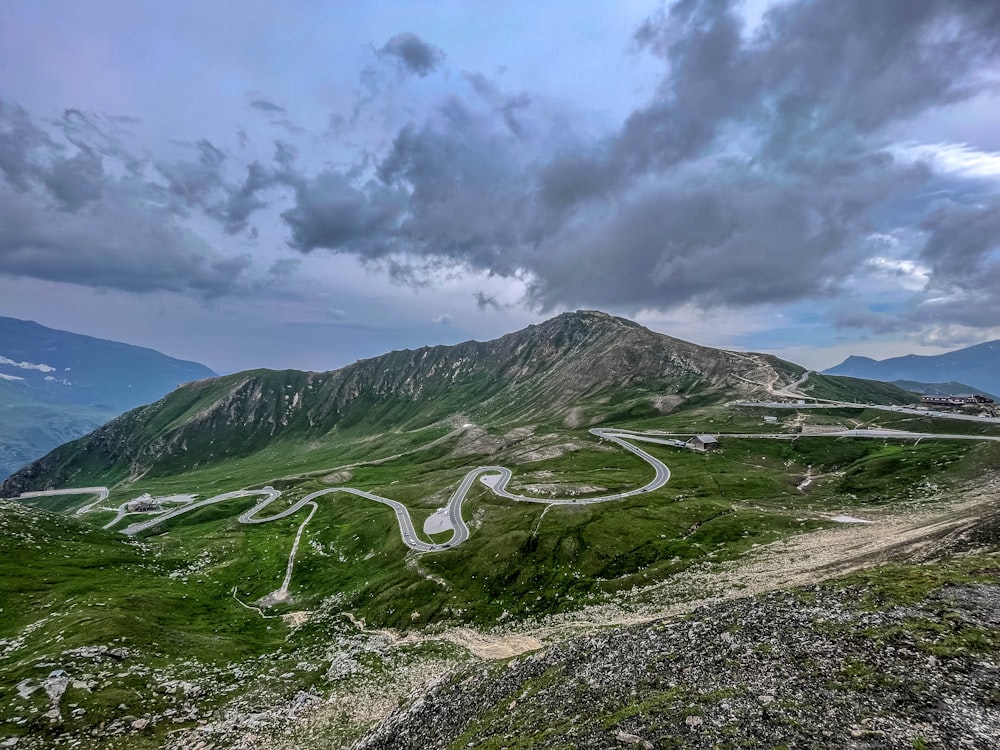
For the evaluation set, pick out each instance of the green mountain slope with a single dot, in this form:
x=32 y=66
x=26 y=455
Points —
x=856 y=390
x=175 y=637
x=941 y=389
x=574 y=370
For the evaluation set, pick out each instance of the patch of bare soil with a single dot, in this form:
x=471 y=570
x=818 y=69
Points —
x=489 y=646
x=666 y=404
x=296 y=619
x=559 y=490
x=546 y=453
x=915 y=534
x=475 y=441
x=339 y=477
x=574 y=418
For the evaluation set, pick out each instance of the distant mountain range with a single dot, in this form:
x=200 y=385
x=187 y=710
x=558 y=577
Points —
x=977 y=366
x=56 y=386
x=575 y=370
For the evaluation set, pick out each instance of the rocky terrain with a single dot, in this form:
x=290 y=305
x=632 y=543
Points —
x=549 y=625
x=898 y=659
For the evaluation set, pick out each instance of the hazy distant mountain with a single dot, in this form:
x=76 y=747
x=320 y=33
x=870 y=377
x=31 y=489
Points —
x=69 y=367
x=575 y=370
x=56 y=386
x=978 y=366
x=941 y=389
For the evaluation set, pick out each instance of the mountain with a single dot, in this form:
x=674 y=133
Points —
x=978 y=365
x=572 y=371
x=175 y=635
x=31 y=426
x=56 y=386
x=60 y=366
x=941 y=389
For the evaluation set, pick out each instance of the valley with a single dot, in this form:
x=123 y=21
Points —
x=204 y=587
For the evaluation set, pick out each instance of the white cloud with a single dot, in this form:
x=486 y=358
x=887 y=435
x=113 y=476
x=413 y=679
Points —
x=908 y=273
x=27 y=365
x=957 y=159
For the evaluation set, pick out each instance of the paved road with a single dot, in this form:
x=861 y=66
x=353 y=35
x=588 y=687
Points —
x=496 y=478
x=101 y=492
x=863 y=433
x=851 y=405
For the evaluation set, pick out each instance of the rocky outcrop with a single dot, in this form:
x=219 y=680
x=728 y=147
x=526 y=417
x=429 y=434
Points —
x=820 y=668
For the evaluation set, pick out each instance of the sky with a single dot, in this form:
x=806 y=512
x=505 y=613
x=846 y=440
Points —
x=302 y=184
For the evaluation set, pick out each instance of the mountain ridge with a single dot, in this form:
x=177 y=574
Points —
x=977 y=366
x=574 y=370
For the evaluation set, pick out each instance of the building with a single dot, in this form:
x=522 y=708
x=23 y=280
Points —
x=141 y=504
x=973 y=399
x=770 y=420
x=702 y=443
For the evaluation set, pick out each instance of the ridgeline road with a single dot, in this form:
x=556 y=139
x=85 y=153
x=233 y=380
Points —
x=101 y=492
x=824 y=404
x=496 y=478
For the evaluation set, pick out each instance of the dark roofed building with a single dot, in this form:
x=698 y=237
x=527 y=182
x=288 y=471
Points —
x=703 y=443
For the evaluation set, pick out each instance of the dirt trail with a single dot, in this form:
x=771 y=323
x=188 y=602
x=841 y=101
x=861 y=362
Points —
x=914 y=534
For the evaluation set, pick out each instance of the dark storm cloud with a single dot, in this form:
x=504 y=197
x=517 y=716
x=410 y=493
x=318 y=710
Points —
x=74 y=208
x=19 y=138
x=754 y=175
x=263 y=105
x=193 y=182
x=963 y=253
x=118 y=244
x=484 y=300
x=962 y=238
x=77 y=180
x=449 y=190
x=330 y=212
x=413 y=54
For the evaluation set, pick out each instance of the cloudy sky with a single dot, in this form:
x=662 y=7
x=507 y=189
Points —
x=300 y=184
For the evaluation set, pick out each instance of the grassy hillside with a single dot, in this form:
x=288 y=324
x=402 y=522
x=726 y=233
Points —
x=168 y=598
x=856 y=390
x=180 y=599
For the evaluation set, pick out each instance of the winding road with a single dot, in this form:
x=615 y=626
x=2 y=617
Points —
x=496 y=478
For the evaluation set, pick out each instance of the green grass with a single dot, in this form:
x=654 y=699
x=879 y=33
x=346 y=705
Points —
x=65 y=583
x=518 y=563
x=857 y=390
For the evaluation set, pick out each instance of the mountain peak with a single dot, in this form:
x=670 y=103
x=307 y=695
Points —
x=587 y=323
x=578 y=368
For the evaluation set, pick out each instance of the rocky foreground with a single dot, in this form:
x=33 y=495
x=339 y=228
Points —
x=902 y=657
